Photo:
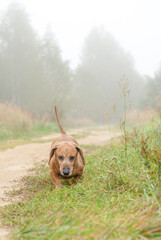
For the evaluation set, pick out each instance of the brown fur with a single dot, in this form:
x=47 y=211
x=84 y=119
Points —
x=65 y=153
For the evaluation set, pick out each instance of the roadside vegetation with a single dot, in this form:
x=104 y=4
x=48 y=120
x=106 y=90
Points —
x=117 y=198
x=18 y=124
x=19 y=127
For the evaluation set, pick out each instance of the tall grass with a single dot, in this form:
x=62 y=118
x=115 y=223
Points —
x=14 y=118
x=124 y=85
x=16 y=123
x=138 y=117
x=13 y=121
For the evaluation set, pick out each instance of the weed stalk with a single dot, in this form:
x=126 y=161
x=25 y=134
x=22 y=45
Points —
x=124 y=85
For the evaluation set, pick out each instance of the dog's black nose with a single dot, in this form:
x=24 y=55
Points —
x=66 y=171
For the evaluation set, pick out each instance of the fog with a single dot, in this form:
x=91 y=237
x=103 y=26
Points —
x=36 y=73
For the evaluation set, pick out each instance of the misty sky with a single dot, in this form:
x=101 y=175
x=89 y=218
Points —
x=134 y=23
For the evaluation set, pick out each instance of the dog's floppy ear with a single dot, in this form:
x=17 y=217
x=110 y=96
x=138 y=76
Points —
x=52 y=153
x=81 y=154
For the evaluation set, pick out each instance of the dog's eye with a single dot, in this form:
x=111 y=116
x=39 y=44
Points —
x=71 y=158
x=61 y=158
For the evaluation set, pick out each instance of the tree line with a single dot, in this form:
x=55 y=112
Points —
x=34 y=76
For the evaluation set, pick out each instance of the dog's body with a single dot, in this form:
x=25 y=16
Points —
x=66 y=158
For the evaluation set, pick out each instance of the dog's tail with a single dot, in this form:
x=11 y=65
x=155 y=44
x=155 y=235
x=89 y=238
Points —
x=57 y=119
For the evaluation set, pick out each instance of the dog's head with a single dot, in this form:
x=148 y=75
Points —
x=66 y=155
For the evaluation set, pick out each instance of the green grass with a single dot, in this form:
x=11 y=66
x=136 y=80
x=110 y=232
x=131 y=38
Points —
x=37 y=130
x=117 y=198
x=17 y=142
x=10 y=138
x=81 y=135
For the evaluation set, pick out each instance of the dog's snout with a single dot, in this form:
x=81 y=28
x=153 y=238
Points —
x=66 y=171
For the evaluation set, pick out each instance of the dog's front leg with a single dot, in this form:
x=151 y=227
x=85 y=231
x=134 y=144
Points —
x=76 y=178
x=56 y=179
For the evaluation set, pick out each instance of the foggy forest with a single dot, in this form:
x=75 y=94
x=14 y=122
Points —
x=35 y=77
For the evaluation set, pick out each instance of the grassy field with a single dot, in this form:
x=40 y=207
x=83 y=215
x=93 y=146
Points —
x=117 y=198
x=37 y=129
x=19 y=127
x=10 y=138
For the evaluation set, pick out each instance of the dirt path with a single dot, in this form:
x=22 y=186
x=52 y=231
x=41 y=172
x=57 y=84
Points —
x=15 y=162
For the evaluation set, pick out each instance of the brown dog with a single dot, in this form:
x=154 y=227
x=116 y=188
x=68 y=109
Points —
x=66 y=158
